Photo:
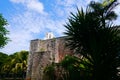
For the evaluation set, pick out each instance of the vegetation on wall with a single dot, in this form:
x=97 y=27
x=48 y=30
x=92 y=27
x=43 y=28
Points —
x=70 y=68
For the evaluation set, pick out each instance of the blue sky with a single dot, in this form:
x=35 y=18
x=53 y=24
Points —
x=32 y=19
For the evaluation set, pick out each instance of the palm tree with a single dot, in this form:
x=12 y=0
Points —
x=16 y=64
x=21 y=63
x=104 y=11
x=92 y=35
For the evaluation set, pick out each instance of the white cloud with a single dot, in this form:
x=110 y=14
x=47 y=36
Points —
x=33 y=21
x=34 y=5
x=66 y=2
x=23 y=28
x=20 y=41
x=18 y=1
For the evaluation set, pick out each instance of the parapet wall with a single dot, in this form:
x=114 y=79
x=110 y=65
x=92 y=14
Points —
x=43 y=53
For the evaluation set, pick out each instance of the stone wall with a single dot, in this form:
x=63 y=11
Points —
x=40 y=60
x=43 y=53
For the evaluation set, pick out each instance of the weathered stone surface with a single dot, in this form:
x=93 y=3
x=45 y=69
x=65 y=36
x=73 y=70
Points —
x=40 y=60
x=33 y=47
x=44 y=52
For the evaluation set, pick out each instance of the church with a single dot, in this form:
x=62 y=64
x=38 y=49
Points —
x=43 y=53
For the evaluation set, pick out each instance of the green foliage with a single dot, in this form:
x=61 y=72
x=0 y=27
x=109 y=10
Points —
x=76 y=67
x=3 y=32
x=15 y=64
x=72 y=65
x=3 y=58
x=70 y=68
x=49 y=72
x=92 y=35
x=42 y=49
x=55 y=72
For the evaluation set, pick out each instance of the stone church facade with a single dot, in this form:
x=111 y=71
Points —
x=43 y=53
